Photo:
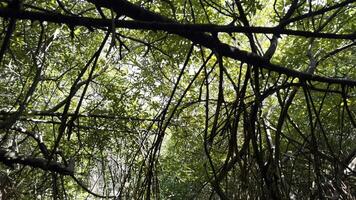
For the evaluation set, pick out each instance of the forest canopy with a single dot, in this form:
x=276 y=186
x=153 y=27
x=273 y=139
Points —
x=177 y=99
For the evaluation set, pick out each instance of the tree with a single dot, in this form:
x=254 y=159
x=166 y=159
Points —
x=196 y=99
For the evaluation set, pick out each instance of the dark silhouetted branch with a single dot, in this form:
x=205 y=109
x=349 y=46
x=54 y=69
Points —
x=163 y=26
x=9 y=158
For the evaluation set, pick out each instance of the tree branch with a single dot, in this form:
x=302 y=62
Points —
x=170 y=26
x=9 y=158
x=150 y=18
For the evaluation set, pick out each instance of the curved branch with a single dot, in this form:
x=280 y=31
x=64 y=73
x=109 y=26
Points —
x=81 y=184
x=319 y=12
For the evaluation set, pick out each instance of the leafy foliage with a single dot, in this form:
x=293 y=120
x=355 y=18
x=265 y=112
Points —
x=167 y=99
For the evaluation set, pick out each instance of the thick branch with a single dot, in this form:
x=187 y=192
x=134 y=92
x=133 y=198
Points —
x=138 y=13
x=9 y=158
x=163 y=26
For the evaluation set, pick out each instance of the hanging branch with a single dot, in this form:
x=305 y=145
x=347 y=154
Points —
x=13 y=7
x=344 y=99
x=7 y=123
x=72 y=92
